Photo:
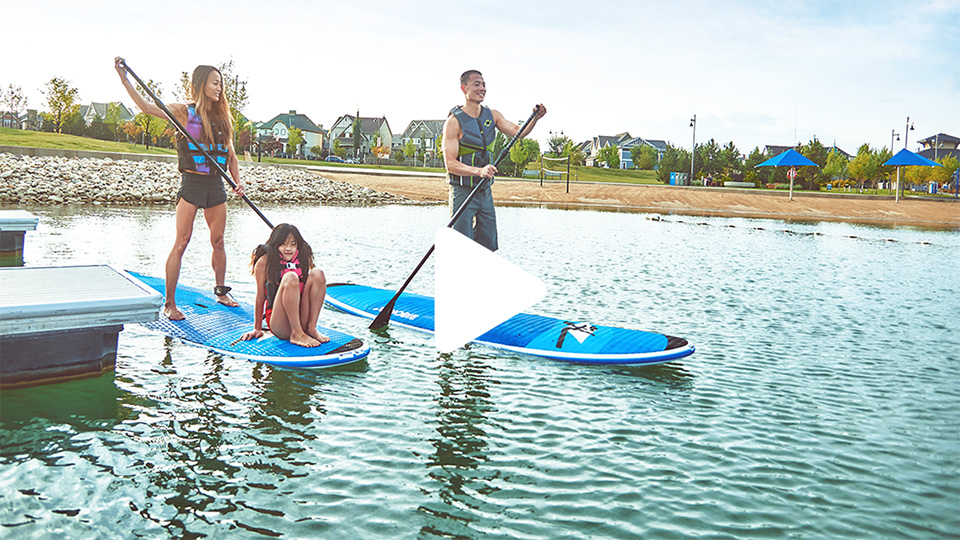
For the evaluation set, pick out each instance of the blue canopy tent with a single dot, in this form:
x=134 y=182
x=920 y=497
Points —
x=791 y=158
x=906 y=158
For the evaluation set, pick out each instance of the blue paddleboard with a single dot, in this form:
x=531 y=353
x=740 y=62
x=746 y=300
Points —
x=559 y=339
x=218 y=328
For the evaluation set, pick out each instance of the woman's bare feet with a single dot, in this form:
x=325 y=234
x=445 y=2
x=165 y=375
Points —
x=171 y=312
x=227 y=300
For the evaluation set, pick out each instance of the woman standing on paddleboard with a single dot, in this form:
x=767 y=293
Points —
x=207 y=119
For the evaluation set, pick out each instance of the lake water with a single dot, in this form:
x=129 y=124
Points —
x=823 y=400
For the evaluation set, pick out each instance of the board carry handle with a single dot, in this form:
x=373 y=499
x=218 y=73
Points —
x=189 y=137
x=383 y=318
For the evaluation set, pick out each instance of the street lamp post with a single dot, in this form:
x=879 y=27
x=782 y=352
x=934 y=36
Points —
x=693 y=149
x=892 y=135
x=906 y=132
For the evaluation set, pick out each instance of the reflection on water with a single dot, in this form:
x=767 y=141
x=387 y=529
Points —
x=460 y=445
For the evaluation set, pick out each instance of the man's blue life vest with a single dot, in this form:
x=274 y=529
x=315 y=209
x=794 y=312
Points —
x=190 y=158
x=476 y=145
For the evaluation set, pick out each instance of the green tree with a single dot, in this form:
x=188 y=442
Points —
x=523 y=152
x=610 y=155
x=811 y=177
x=558 y=146
x=317 y=150
x=338 y=149
x=294 y=138
x=836 y=168
x=409 y=150
x=183 y=91
x=63 y=102
x=751 y=172
x=151 y=125
x=864 y=167
x=673 y=160
x=644 y=157
x=577 y=158
x=112 y=120
x=357 y=135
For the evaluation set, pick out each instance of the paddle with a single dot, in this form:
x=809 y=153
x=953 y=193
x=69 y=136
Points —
x=189 y=137
x=383 y=318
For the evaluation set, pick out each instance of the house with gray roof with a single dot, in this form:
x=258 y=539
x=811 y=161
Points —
x=95 y=109
x=940 y=145
x=373 y=132
x=422 y=133
x=599 y=141
x=280 y=125
x=626 y=158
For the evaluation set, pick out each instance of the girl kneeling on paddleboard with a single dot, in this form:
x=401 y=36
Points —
x=290 y=290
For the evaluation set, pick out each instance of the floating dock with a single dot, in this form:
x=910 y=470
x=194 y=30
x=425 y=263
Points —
x=13 y=225
x=62 y=323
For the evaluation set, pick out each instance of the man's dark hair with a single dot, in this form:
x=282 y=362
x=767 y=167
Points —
x=465 y=78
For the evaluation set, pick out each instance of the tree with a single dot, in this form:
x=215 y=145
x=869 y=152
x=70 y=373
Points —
x=751 y=172
x=357 y=135
x=183 y=92
x=558 y=146
x=811 y=177
x=112 y=120
x=524 y=151
x=644 y=157
x=13 y=100
x=576 y=156
x=409 y=150
x=836 y=168
x=338 y=149
x=673 y=160
x=864 y=166
x=151 y=125
x=63 y=102
x=294 y=139
x=610 y=155
x=317 y=150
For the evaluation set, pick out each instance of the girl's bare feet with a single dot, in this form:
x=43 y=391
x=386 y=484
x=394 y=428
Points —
x=304 y=340
x=317 y=335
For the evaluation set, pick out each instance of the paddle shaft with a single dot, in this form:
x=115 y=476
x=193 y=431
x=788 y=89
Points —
x=189 y=137
x=383 y=318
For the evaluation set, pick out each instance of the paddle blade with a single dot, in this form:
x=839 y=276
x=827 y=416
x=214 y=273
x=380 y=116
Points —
x=476 y=290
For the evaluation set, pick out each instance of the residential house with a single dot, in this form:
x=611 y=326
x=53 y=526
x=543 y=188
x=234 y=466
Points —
x=772 y=150
x=95 y=109
x=33 y=120
x=10 y=120
x=626 y=158
x=280 y=125
x=598 y=142
x=373 y=132
x=940 y=145
x=422 y=133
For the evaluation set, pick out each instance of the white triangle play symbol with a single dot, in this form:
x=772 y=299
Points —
x=475 y=290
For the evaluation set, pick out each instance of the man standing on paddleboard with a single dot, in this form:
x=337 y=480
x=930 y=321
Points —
x=468 y=137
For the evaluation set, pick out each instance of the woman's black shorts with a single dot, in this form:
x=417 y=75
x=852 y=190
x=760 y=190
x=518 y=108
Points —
x=202 y=190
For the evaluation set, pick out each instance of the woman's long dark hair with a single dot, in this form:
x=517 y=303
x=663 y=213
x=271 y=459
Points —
x=272 y=251
x=211 y=113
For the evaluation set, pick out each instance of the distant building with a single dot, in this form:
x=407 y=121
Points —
x=600 y=141
x=422 y=133
x=373 y=132
x=626 y=158
x=940 y=145
x=95 y=109
x=10 y=120
x=280 y=125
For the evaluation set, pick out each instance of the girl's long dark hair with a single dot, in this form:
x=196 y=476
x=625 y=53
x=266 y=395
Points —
x=272 y=251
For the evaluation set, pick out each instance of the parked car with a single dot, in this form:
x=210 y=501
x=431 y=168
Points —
x=336 y=159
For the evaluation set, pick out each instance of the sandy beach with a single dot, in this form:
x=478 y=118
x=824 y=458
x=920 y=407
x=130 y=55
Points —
x=683 y=200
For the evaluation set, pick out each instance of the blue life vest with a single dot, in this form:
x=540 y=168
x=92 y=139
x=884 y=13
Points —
x=191 y=159
x=476 y=145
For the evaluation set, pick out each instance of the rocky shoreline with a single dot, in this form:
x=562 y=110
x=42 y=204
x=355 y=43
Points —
x=56 y=180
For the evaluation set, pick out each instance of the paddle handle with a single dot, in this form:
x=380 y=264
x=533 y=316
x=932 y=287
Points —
x=189 y=137
x=383 y=318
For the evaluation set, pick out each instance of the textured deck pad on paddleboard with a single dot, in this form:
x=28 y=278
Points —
x=217 y=327
x=559 y=339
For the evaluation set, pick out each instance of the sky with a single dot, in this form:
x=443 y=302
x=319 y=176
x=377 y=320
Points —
x=754 y=72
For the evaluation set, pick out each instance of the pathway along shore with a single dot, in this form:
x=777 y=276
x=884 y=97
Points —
x=727 y=202
x=26 y=179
